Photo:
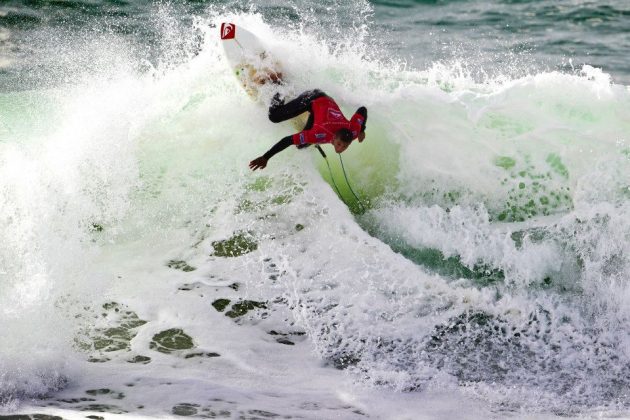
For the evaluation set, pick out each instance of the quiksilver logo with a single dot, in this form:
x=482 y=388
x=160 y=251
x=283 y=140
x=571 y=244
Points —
x=228 y=31
x=335 y=114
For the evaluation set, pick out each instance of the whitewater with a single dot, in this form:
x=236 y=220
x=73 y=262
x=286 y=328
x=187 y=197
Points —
x=146 y=272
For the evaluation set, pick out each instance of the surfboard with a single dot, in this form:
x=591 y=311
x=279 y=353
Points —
x=256 y=69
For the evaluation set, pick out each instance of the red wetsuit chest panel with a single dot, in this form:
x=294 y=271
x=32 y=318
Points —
x=327 y=119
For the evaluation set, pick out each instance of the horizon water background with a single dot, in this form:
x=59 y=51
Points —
x=146 y=272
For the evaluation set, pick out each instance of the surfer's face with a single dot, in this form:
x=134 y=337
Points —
x=339 y=144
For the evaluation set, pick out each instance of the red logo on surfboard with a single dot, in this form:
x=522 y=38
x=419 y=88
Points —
x=228 y=31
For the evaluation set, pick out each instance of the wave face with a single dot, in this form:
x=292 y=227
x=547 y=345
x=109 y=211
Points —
x=490 y=259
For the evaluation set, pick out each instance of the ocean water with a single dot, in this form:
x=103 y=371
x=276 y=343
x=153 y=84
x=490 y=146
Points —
x=146 y=272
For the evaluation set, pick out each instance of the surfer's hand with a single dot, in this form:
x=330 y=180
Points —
x=361 y=136
x=258 y=163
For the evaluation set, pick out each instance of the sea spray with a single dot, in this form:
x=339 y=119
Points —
x=492 y=260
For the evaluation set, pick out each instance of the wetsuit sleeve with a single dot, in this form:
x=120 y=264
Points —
x=357 y=122
x=278 y=147
x=362 y=112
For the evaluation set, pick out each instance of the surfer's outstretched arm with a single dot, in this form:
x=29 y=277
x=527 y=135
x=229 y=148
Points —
x=261 y=162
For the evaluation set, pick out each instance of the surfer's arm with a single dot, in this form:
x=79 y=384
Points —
x=360 y=118
x=279 y=147
x=261 y=162
x=363 y=113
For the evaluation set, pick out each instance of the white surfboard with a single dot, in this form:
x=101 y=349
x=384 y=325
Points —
x=255 y=67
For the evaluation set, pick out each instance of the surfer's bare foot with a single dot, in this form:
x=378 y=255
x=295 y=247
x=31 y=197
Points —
x=275 y=77
x=268 y=76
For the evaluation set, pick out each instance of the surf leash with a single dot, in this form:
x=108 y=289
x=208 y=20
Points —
x=350 y=186
x=332 y=178
x=330 y=172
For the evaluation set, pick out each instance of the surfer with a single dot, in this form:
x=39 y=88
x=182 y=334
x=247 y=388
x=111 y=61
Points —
x=326 y=124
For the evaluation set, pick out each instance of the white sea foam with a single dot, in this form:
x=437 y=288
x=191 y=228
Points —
x=125 y=192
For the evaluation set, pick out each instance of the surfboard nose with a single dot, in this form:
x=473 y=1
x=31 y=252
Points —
x=228 y=30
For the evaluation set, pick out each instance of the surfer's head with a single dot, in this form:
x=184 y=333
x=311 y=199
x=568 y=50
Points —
x=342 y=139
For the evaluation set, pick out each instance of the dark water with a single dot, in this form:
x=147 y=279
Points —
x=516 y=34
x=490 y=38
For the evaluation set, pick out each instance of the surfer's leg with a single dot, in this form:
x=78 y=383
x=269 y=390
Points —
x=309 y=122
x=279 y=111
x=311 y=116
